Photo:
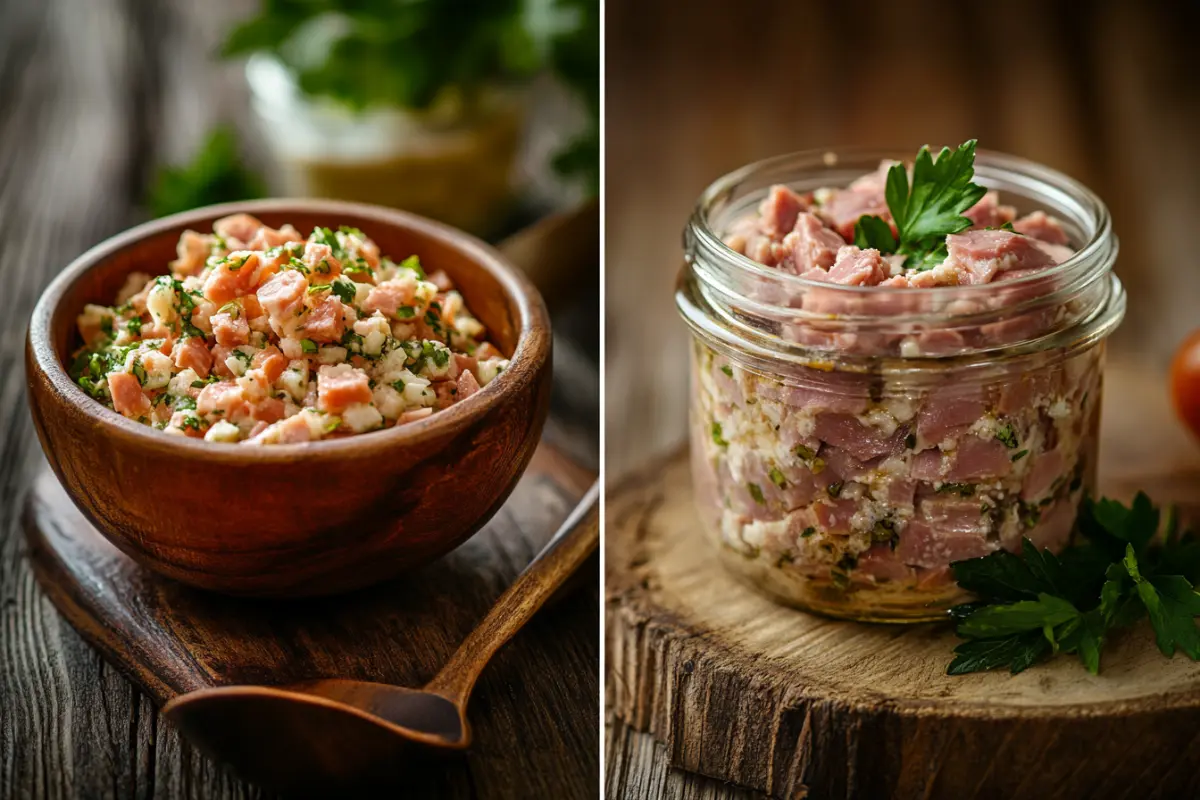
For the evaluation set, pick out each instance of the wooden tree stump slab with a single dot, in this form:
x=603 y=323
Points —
x=533 y=713
x=796 y=705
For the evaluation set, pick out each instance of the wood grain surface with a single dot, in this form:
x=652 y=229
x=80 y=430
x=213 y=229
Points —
x=94 y=95
x=792 y=704
x=1099 y=90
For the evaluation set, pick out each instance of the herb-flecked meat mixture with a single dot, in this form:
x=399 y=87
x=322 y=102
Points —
x=862 y=481
x=263 y=336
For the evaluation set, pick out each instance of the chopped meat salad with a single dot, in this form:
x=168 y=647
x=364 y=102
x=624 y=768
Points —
x=262 y=336
x=851 y=490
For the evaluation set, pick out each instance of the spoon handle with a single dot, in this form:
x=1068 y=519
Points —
x=570 y=546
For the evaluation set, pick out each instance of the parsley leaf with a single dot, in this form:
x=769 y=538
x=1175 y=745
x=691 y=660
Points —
x=928 y=209
x=215 y=175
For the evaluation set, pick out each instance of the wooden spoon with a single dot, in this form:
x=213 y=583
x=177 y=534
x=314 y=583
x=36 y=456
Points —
x=306 y=737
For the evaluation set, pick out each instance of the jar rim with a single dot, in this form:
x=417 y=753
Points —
x=1099 y=249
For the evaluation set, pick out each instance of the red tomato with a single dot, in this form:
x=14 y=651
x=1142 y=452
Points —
x=1185 y=382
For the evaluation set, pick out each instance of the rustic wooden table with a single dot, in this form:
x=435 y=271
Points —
x=93 y=95
x=1100 y=95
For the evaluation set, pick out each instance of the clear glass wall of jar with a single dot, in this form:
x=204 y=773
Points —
x=848 y=443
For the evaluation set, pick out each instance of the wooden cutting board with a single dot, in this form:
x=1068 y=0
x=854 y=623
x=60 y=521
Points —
x=534 y=712
x=797 y=705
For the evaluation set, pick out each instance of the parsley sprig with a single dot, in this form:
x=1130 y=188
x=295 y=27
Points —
x=1035 y=605
x=927 y=210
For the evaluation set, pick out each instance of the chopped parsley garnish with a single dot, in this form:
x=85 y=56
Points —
x=1035 y=604
x=308 y=346
x=756 y=493
x=298 y=265
x=241 y=355
x=960 y=489
x=413 y=263
x=1008 y=437
x=139 y=371
x=191 y=422
x=1019 y=455
x=803 y=452
x=835 y=489
x=809 y=531
x=728 y=370
x=718 y=436
x=345 y=290
x=398 y=385
x=926 y=211
x=134 y=326
x=232 y=308
x=184 y=403
x=318 y=287
x=405 y=312
x=106 y=325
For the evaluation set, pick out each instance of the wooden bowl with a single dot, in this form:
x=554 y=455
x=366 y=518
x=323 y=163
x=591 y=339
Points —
x=297 y=519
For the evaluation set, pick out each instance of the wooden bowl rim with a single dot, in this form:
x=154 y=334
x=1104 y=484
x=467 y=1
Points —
x=529 y=355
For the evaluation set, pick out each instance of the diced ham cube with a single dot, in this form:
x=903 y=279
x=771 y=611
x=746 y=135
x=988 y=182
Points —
x=811 y=246
x=1053 y=528
x=922 y=545
x=779 y=210
x=191 y=253
x=855 y=267
x=988 y=213
x=1042 y=226
x=270 y=361
x=833 y=516
x=441 y=280
x=864 y=442
x=282 y=298
x=192 y=353
x=237 y=229
x=265 y=238
x=467 y=385
x=224 y=398
x=843 y=210
x=235 y=276
x=128 y=397
x=391 y=295
x=326 y=322
x=929 y=465
x=980 y=458
x=320 y=262
x=229 y=329
x=947 y=412
x=1044 y=469
x=978 y=256
x=340 y=387
x=881 y=563
x=269 y=410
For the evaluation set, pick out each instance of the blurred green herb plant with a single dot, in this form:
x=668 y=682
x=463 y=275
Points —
x=215 y=175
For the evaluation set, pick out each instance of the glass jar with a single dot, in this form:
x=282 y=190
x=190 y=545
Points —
x=454 y=162
x=848 y=443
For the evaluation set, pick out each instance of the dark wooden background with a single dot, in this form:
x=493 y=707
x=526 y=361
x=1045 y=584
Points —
x=94 y=95
x=1105 y=91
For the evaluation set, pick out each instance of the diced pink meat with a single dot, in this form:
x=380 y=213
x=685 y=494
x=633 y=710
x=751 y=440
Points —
x=325 y=322
x=265 y=238
x=391 y=295
x=980 y=458
x=236 y=276
x=779 y=210
x=864 y=442
x=900 y=493
x=988 y=213
x=955 y=513
x=881 y=563
x=1044 y=469
x=230 y=330
x=947 y=412
x=127 y=395
x=855 y=267
x=843 y=210
x=270 y=361
x=282 y=297
x=191 y=252
x=811 y=245
x=978 y=256
x=293 y=430
x=1058 y=253
x=922 y=545
x=874 y=182
x=441 y=280
x=225 y=398
x=833 y=516
x=337 y=391
x=467 y=385
x=1042 y=226
x=929 y=465
x=268 y=410
x=237 y=229
x=320 y=262
x=1053 y=529
x=192 y=353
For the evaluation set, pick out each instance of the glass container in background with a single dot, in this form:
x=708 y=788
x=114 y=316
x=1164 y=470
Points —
x=454 y=162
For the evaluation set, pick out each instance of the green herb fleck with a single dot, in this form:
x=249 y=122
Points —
x=778 y=478
x=308 y=346
x=835 y=489
x=756 y=493
x=728 y=370
x=1008 y=437
x=1019 y=455
x=717 y=436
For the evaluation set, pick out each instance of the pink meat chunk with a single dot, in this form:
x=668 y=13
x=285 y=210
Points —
x=954 y=513
x=127 y=395
x=833 y=516
x=338 y=391
x=980 y=458
x=855 y=267
x=778 y=212
x=922 y=545
x=948 y=412
x=864 y=442
x=1043 y=471
x=881 y=563
x=811 y=245
x=988 y=213
x=978 y=256
x=1053 y=529
x=843 y=210
x=282 y=297
x=1042 y=226
x=929 y=465
x=325 y=322
x=230 y=330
